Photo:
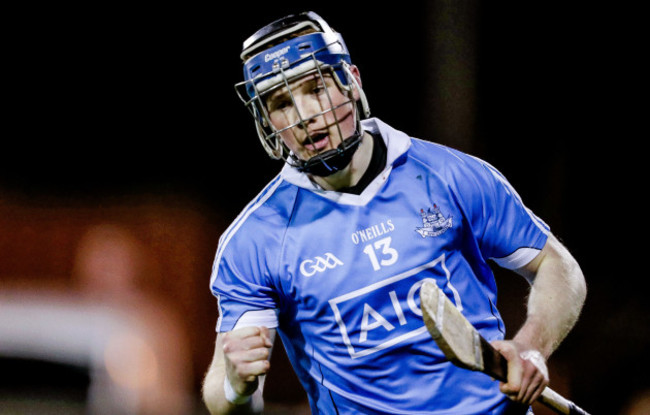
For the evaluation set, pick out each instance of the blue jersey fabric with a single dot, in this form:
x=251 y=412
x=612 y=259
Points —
x=339 y=275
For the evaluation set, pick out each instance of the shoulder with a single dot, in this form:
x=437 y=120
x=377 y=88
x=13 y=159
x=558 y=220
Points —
x=250 y=247
x=447 y=162
x=263 y=218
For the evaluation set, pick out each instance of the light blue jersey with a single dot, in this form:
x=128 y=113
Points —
x=338 y=274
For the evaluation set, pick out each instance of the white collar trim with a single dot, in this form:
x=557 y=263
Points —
x=397 y=143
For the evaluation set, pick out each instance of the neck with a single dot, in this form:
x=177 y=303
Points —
x=350 y=175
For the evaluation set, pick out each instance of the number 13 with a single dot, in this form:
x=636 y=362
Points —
x=389 y=254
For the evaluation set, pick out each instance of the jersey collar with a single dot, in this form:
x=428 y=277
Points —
x=397 y=144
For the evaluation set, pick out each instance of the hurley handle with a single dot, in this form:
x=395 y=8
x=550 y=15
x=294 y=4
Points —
x=497 y=366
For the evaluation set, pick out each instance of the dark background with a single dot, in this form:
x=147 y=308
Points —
x=105 y=104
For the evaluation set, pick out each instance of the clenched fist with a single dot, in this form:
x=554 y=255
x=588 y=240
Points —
x=247 y=352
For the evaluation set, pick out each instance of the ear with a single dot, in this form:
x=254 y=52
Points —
x=354 y=70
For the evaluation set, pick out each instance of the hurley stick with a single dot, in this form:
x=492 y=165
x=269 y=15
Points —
x=465 y=347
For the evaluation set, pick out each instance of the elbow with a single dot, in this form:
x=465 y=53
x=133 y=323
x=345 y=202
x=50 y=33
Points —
x=574 y=279
x=578 y=283
x=582 y=288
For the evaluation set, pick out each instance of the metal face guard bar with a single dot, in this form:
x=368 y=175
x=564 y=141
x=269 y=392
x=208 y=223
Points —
x=330 y=161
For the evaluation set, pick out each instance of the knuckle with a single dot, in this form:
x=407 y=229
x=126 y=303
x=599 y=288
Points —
x=510 y=388
x=231 y=349
x=241 y=372
x=529 y=368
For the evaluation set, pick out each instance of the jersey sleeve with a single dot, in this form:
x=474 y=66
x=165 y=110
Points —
x=242 y=285
x=507 y=231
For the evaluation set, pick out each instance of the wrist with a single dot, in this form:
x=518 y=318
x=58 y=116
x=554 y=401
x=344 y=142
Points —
x=536 y=359
x=233 y=396
x=530 y=336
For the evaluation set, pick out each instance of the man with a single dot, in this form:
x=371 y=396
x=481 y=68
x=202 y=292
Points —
x=332 y=253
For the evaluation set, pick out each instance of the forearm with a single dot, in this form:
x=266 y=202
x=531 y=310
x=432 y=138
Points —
x=556 y=298
x=238 y=368
x=215 y=399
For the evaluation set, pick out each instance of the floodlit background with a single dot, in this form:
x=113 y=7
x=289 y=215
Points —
x=125 y=154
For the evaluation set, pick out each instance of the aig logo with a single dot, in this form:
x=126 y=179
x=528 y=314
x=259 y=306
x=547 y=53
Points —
x=309 y=267
x=387 y=313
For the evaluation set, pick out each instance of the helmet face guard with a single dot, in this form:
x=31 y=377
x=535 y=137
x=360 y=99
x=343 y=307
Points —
x=318 y=54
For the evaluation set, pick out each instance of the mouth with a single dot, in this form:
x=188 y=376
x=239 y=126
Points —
x=318 y=142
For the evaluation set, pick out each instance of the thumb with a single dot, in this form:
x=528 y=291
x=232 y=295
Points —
x=515 y=370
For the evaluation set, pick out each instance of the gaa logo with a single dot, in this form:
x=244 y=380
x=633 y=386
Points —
x=309 y=267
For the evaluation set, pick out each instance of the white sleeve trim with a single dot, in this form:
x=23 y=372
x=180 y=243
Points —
x=517 y=259
x=255 y=318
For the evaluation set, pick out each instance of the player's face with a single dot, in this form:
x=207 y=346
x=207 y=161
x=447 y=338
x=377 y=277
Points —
x=309 y=100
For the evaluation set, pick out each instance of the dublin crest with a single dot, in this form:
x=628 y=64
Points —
x=433 y=222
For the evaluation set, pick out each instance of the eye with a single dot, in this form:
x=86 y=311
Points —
x=318 y=89
x=279 y=104
x=282 y=104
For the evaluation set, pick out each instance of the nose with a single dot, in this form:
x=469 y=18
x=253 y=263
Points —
x=307 y=110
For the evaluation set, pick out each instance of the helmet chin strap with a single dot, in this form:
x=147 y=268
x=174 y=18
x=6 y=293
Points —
x=331 y=161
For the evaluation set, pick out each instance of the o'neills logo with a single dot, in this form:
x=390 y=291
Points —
x=276 y=54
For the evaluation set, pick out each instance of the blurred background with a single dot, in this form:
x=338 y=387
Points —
x=125 y=154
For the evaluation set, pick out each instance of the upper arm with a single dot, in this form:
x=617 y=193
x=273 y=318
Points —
x=553 y=257
x=529 y=271
x=555 y=274
x=557 y=294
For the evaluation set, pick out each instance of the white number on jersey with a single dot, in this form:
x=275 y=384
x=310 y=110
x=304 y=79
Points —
x=388 y=254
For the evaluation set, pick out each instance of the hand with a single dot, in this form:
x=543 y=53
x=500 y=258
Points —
x=527 y=372
x=246 y=353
